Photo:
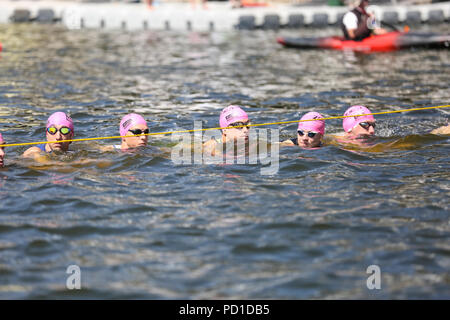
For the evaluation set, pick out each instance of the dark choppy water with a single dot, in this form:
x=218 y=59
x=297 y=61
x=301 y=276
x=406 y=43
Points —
x=141 y=227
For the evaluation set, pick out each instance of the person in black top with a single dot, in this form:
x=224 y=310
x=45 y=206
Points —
x=358 y=24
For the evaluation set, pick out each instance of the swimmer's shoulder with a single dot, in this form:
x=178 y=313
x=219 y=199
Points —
x=287 y=143
x=37 y=154
x=32 y=152
x=444 y=130
x=328 y=138
x=334 y=135
x=113 y=147
x=211 y=144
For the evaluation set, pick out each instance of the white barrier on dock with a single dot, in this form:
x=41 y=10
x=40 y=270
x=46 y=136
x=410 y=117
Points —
x=218 y=16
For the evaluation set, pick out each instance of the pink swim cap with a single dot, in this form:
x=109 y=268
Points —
x=232 y=114
x=1 y=138
x=351 y=122
x=129 y=121
x=60 y=119
x=317 y=125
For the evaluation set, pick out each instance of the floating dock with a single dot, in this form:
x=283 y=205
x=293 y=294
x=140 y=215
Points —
x=219 y=16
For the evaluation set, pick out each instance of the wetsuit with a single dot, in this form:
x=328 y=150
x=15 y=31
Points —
x=362 y=30
x=42 y=147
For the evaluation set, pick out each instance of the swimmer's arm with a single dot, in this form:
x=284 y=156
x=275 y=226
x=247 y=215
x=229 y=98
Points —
x=106 y=148
x=210 y=147
x=96 y=146
x=329 y=139
x=287 y=143
x=36 y=154
x=165 y=149
x=100 y=163
x=445 y=130
x=31 y=152
x=210 y=144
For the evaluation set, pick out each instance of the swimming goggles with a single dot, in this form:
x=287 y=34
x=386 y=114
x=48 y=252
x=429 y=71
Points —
x=366 y=125
x=311 y=134
x=240 y=125
x=139 y=131
x=63 y=130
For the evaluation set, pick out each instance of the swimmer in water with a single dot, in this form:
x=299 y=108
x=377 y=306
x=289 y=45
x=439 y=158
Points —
x=131 y=124
x=360 y=126
x=2 y=152
x=309 y=133
x=363 y=127
x=358 y=129
x=59 y=127
x=231 y=116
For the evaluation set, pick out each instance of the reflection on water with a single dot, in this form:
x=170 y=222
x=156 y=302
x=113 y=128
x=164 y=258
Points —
x=140 y=226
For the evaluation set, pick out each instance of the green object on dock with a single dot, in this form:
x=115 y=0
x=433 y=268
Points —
x=335 y=3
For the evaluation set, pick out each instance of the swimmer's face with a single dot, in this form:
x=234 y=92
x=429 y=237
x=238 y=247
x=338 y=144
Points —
x=2 y=156
x=237 y=133
x=308 y=139
x=138 y=141
x=54 y=133
x=362 y=129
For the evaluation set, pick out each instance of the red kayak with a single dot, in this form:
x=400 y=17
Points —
x=245 y=4
x=377 y=43
x=0 y=46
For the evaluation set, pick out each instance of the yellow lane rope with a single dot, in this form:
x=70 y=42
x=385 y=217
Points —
x=219 y=128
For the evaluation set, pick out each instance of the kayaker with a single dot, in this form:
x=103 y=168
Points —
x=59 y=127
x=231 y=116
x=309 y=133
x=2 y=152
x=358 y=24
